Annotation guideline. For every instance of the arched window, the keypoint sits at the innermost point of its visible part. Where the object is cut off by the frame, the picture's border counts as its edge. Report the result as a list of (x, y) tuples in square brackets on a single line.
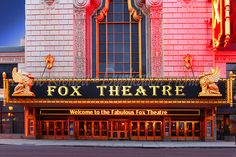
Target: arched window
[(119, 43)]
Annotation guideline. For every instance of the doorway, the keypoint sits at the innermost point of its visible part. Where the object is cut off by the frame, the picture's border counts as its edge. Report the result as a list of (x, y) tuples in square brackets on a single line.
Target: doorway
[(119, 129)]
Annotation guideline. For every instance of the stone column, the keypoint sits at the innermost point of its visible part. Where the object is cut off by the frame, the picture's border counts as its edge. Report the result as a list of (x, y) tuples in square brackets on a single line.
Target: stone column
[(79, 38), (83, 10), (155, 16)]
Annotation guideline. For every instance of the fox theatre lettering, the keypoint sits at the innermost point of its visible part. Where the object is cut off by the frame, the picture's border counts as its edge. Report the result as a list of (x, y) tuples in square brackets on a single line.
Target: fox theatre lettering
[(120, 89), (104, 91)]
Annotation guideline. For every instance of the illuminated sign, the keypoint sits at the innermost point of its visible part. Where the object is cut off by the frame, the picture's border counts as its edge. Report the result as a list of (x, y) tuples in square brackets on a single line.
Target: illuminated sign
[(221, 23), (121, 112), (119, 89)]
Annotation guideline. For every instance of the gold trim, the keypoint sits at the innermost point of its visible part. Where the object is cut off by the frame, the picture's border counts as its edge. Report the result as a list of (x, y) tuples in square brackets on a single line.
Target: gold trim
[(208, 83), (230, 89), (115, 101), (133, 12), (130, 45), (4, 76), (104, 11), (97, 49), (140, 47), (216, 42), (227, 22), (103, 102)]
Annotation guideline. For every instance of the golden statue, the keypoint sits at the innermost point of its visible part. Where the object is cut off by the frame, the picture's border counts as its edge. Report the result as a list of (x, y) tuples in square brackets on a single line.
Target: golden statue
[(208, 83), (25, 83)]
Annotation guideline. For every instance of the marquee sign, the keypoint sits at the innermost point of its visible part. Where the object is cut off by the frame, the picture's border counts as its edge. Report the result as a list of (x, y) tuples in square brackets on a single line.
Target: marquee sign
[(122, 112), (208, 89), (220, 23), (117, 89)]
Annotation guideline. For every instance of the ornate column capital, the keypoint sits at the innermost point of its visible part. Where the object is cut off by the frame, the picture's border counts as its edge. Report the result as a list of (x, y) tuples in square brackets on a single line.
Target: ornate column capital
[(80, 3), (153, 3)]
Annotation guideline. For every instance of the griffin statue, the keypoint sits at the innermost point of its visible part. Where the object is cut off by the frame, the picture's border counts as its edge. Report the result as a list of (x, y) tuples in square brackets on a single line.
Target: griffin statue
[(25, 83), (208, 83)]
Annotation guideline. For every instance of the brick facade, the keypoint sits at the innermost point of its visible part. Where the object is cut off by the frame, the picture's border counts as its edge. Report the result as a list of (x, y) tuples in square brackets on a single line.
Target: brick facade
[(186, 30), (49, 30), (176, 28)]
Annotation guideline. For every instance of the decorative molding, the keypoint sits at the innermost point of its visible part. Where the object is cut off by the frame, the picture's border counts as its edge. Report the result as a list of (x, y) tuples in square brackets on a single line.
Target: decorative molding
[(153, 3), (80, 3), (156, 40), (104, 11), (79, 43), (133, 12), (82, 40), (141, 4)]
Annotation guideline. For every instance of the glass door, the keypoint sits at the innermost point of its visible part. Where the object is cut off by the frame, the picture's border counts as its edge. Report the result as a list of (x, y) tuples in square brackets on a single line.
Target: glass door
[(58, 128), (189, 129), (119, 130), (104, 129), (197, 129), (44, 128), (81, 129), (173, 129), (66, 128), (96, 129), (181, 129), (150, 130), (88, 128), (157, 128), (142, 131), (51, 128)]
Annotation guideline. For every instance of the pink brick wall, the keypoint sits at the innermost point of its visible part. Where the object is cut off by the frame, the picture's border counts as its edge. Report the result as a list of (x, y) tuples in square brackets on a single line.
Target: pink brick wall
[(186, 30), (49, 30)]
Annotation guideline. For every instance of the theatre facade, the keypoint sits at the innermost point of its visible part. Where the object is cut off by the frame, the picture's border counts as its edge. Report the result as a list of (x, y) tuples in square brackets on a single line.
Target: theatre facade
[(123, 109), (124, 69)]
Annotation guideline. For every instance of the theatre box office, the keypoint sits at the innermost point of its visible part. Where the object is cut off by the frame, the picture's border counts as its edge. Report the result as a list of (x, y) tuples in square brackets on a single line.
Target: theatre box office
[(129, 109)]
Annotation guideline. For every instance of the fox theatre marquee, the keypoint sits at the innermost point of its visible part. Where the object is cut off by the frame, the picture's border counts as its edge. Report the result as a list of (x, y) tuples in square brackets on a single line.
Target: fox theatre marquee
[(131, 109)]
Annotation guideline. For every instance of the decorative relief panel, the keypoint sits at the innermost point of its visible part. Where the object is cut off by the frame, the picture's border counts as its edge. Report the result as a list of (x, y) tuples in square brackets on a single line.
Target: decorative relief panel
[(79, 42), (155, 15), (82, 39)]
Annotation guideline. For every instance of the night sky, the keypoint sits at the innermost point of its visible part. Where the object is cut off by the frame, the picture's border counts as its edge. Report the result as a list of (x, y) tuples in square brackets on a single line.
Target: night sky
[(12, 24)]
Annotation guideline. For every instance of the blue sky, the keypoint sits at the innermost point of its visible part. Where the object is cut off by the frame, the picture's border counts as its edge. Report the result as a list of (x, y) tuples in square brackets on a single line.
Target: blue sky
[(12, 24)]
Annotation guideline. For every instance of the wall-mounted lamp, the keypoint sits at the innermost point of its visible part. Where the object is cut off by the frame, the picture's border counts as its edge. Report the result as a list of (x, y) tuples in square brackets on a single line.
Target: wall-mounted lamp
[(10, 108), (188, 62), (49, 60)]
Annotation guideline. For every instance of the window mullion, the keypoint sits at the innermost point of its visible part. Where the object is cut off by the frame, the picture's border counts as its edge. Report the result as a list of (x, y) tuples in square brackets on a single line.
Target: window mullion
[(97, 49), (106, 48), (130, 44), (140, 47)]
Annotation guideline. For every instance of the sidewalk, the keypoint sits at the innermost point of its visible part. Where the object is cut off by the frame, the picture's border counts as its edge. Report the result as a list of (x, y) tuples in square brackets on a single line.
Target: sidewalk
[(131, 144)]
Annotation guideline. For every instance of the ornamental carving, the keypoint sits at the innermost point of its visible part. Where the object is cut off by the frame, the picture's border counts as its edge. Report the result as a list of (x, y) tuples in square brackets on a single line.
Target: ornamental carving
[(156, 38), (82, 11), (25, 83), (133, 12), (104, 11), (141, 4), (80, 3), (153, 3), (208, 83)]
